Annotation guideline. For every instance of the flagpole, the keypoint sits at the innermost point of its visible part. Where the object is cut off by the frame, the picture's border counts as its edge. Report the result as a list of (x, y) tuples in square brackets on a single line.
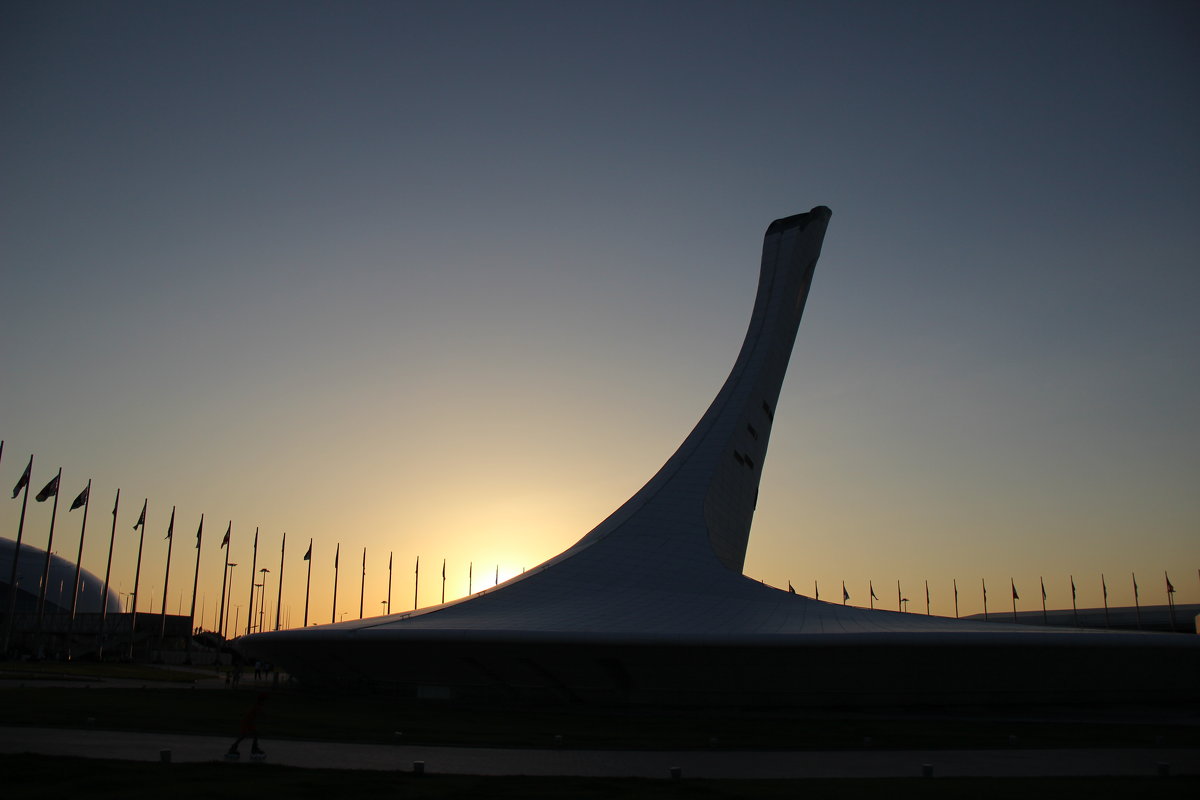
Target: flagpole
[(137, 575), (955, 597), (1170, 598), (1137, 607), (1104, 587), (389, 597), (112, 537), (871, 588), (1013, 584), (1074, 610), (87, 497), (899, 598), (416, 582), (362, 587), (279, 597), (253, 567), (41, 606), (162, 628), (470, 576), (1042, 580), (927, 597), (226, 545), (497, 583), (985, 614), (336, 557), (12, 581), (845, 594), (195, 586), (308, 581), (443, 581)]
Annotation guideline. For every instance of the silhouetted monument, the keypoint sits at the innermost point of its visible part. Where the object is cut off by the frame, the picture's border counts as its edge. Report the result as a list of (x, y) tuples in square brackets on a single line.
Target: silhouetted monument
[(651, 606)]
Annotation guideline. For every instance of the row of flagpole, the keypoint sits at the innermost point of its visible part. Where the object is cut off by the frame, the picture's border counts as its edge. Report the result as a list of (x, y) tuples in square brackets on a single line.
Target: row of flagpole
[(258, 576), (225, 627), (902, 601)]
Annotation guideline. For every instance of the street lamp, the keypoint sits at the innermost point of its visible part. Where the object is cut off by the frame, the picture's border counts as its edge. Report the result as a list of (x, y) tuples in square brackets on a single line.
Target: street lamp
[(228, 597), (262, 597), (253, 608)]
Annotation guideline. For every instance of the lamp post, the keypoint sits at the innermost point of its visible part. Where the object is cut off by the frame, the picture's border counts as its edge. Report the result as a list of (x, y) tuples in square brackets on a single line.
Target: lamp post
[(262, 597), (253, 606), (230, 565)]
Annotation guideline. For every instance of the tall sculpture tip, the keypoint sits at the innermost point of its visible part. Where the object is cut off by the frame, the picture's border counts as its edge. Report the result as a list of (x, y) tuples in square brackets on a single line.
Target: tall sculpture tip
[(821, 213)]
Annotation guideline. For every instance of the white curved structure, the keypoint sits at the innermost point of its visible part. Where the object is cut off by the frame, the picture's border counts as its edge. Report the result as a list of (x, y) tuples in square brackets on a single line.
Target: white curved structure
[(651, 605)]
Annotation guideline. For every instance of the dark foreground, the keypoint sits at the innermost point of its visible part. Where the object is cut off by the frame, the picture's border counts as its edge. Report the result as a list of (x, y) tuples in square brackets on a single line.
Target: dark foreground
[(56, 777), (60, 710)]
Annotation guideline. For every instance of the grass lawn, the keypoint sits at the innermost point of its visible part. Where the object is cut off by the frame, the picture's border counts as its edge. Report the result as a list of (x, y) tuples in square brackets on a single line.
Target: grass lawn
[(384, 719), (82, 671), (50, 777)]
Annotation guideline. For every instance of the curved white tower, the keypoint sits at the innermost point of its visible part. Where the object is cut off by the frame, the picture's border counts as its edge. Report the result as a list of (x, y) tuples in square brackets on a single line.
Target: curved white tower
[(629, 611)]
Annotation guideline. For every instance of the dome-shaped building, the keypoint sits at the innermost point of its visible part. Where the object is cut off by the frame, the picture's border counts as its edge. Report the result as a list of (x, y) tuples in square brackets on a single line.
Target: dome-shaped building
[(58, 587)]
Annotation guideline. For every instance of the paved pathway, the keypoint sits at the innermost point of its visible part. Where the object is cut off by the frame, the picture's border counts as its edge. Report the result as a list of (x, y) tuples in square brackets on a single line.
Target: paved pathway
[(651, 764)]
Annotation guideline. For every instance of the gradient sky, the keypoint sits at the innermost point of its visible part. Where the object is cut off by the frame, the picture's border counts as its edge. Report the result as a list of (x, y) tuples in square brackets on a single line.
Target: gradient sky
[(455, 279)]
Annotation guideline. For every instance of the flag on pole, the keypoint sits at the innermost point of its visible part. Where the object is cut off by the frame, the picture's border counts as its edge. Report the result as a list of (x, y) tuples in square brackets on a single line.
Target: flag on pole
[(308, 555), (24, 481), (872, 587), (1072, 588), (141, 523), (48, 491), (1043, 589), (1135, 589), (1170, 588), (1014, 590), (1103, 586), (228, 530), (81, 499), (845, 594), (171, 529), (790, 589), (199, 533), (336, 555), (443, 569)]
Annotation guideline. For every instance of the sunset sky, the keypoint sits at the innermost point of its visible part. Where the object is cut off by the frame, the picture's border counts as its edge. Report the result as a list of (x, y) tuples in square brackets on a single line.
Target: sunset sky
[(453, 280)]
